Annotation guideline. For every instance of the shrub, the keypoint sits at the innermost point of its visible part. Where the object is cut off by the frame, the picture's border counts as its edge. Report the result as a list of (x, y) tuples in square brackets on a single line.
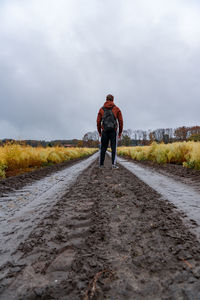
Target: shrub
[(185, 153)]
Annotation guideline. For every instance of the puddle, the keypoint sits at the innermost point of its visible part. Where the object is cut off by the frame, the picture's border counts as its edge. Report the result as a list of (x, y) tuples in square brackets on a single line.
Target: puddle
[(23, 209), (184, 197)]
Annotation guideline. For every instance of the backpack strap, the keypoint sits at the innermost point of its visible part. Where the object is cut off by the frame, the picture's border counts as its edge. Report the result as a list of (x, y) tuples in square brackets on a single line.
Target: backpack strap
[(104, 108)]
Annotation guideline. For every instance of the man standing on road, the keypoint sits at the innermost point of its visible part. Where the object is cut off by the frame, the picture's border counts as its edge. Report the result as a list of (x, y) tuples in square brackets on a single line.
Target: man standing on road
[(108, 120)]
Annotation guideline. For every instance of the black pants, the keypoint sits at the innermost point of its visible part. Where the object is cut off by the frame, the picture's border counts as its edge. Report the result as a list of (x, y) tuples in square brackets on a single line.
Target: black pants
[(105, 138)]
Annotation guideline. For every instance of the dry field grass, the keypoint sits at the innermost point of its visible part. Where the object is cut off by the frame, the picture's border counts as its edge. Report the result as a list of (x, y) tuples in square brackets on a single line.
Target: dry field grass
[(185, 153), (16, 159)]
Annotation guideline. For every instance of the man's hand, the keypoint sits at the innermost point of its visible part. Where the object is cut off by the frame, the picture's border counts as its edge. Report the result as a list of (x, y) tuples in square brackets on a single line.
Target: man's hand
[(99, 134), (119, 136)]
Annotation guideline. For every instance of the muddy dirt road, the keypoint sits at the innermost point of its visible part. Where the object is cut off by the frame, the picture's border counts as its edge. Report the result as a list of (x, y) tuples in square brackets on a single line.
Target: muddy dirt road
[(109, 236), (22, 210), (186, 197)]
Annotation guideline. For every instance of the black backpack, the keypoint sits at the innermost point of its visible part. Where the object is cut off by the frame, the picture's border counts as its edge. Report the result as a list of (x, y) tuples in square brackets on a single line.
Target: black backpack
[(109, 121)]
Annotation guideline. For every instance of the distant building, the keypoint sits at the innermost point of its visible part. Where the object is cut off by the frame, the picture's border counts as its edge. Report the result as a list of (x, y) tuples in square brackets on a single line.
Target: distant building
[(69, 145)]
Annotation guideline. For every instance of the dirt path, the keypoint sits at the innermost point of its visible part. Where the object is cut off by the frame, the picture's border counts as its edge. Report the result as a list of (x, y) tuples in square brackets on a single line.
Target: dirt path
[(184, 196), (22, 209), (110, 236), (17, 182), (178, 172)]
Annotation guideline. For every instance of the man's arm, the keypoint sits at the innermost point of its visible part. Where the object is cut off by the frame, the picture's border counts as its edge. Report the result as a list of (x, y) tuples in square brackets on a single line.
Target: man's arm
[(120, 120), (99, 118)]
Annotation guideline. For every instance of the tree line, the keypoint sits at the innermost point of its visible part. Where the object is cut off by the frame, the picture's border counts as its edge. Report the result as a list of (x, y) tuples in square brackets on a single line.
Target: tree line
[(130, 137), (43, 143)]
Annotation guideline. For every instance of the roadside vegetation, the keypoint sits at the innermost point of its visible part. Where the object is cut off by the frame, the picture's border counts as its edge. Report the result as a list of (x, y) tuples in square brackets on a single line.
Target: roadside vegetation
[(185, 153), (16, 159)]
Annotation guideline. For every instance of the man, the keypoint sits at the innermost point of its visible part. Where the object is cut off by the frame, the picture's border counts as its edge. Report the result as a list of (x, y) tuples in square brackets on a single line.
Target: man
[(108, 120)]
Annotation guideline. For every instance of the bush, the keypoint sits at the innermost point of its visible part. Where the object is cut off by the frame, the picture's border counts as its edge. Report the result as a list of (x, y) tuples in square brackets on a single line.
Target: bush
[(18, 158), (185, 153)]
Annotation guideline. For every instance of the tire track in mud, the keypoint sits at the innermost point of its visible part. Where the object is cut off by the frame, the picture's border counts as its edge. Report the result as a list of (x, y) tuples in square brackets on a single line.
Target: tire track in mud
[(182, 174), (14, 183), (184, 196), (110, 236), (47, 256), (29, 206)]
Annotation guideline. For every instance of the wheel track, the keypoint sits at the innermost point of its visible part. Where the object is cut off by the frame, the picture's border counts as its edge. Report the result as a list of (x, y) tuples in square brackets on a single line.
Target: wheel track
[(49, 251), (128, 244)]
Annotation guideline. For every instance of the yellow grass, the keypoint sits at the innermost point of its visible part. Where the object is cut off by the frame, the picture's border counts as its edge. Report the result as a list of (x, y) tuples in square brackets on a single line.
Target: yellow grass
[(16, 158), (185, 153)]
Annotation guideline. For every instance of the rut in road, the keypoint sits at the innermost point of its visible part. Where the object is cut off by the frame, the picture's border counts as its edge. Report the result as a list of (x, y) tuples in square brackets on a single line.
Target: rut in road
[(110, 236), (184, 196), (21, 210)]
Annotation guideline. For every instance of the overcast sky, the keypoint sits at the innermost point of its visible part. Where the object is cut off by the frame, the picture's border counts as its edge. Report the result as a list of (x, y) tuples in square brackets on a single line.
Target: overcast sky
[(60, 58)]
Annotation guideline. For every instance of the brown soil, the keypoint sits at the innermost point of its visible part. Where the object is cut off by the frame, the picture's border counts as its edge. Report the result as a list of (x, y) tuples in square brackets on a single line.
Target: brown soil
[(110, 237)]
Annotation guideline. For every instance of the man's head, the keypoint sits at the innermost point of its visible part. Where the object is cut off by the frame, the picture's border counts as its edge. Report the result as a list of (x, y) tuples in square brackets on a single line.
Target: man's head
[(109, 97)]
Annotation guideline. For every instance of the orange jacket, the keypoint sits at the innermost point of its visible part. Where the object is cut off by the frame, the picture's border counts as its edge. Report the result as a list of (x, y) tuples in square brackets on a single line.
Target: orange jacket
[(117, 113)]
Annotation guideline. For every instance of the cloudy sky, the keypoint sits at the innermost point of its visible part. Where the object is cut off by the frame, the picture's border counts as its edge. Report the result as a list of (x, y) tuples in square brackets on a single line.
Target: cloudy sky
[(59, 59)]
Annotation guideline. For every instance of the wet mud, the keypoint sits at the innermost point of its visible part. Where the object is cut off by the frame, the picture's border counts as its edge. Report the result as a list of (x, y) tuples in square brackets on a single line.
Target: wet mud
[(13, 183), (178, 172), (184, 196), (110, 236)]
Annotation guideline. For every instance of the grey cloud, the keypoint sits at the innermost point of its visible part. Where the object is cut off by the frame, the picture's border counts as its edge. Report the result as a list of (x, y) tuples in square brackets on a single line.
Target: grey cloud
[(56, 69)]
